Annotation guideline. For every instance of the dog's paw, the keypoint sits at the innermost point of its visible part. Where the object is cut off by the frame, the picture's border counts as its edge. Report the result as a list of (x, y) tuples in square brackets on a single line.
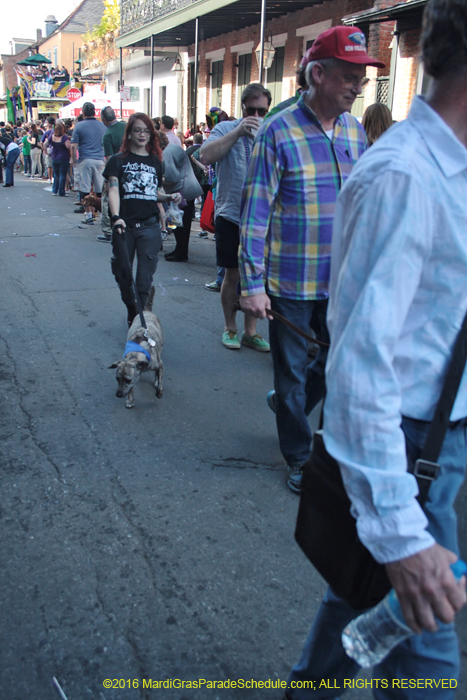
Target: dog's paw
[(158, 392), (129, 404)]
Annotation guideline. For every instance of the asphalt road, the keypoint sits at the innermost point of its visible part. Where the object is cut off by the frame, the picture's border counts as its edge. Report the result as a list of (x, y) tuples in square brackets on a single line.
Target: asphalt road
[(152, 543)]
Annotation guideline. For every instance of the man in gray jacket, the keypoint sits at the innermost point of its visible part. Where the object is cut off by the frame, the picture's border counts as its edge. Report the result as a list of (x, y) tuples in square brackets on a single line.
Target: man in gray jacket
[(179, 177)]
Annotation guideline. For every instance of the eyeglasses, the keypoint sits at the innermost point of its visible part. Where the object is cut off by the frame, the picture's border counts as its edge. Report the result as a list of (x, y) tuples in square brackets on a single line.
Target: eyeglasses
[(349, 80), (140, 131), (253, 111)]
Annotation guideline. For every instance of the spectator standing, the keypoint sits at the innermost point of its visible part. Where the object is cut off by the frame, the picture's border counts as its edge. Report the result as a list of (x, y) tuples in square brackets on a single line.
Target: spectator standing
[(47, 150), (377, 118), (300, 160), (166, 126), (59, 145), (229, 146), (34, 140), (87, 140), (10, 150), (26, 152), (111, 142), (398, 298), (179, 177)]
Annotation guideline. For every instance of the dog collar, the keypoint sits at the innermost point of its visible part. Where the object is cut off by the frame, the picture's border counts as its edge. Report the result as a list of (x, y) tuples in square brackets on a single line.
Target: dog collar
[(135, 347)]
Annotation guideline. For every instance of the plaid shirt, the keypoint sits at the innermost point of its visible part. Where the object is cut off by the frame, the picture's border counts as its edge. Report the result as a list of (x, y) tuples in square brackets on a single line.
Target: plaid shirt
[(288, 201)]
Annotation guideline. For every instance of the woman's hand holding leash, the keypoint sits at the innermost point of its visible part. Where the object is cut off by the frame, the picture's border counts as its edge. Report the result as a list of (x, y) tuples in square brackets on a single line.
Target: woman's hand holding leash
[(118, 224)]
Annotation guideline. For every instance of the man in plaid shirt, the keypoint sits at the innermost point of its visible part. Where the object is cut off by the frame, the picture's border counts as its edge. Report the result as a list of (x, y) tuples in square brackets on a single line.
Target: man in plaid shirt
[(300, 160)]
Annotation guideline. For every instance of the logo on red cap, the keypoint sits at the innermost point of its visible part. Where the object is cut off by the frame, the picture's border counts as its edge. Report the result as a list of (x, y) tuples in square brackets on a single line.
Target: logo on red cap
[(357, 38)]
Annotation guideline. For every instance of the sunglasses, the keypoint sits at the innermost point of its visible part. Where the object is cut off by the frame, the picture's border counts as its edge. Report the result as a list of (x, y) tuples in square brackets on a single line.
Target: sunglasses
[(140, 131), (253, 111)]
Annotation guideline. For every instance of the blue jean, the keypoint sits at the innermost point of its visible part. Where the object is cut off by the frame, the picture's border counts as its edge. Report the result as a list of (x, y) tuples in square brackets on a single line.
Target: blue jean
[(27, 163), (60, 168), (433, 655), (11, 158), (299, 383), (220, 275)]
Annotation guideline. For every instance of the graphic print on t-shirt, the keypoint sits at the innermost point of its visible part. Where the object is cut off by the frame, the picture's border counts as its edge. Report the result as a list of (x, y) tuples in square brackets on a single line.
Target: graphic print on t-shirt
[(139, 181)]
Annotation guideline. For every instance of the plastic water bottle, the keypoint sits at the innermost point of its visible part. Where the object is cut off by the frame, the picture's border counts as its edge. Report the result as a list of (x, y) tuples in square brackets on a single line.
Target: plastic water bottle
[(370, 637)]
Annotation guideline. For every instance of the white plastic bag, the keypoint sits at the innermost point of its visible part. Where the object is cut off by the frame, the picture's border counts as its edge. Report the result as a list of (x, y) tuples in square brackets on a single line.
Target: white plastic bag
[(174, 214)]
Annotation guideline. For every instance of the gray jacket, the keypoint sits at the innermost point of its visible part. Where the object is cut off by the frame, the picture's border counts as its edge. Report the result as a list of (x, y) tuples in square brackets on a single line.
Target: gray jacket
[(178, 173)]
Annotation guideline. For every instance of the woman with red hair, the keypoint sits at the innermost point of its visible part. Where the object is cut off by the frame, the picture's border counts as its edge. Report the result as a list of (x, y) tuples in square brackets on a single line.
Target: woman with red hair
[(135, 180)]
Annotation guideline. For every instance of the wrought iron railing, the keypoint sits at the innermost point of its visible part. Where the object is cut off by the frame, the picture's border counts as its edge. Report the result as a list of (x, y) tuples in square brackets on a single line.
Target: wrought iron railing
[(137, 13)]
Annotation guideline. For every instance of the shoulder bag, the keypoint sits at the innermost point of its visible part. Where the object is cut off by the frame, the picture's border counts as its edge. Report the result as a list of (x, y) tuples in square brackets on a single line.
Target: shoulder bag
[(326, 530)]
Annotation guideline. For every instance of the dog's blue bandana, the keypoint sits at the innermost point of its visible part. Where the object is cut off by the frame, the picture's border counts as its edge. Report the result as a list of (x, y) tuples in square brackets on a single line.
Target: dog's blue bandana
[(135, 347)]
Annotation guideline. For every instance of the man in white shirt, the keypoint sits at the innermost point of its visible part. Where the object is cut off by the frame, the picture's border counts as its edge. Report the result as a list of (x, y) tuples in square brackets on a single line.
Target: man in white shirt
[(398, 297)]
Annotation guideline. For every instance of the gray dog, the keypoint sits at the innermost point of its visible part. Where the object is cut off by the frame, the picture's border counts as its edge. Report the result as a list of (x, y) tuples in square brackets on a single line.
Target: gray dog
[(141, 354)]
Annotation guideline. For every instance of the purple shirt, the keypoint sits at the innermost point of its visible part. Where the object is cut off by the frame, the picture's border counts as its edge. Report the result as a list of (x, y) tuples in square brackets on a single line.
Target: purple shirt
[(59, 149)]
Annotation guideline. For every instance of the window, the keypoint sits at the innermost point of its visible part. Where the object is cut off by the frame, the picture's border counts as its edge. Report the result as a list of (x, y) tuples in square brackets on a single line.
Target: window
[(49, 54), (243, 78), (274, 76), (217, 71), (55, 57)]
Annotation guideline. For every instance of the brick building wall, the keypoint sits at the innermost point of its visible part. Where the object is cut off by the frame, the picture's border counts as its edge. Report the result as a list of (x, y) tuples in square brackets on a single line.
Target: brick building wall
[(380, 41), (9, 62), (332, 10), (407, 69)]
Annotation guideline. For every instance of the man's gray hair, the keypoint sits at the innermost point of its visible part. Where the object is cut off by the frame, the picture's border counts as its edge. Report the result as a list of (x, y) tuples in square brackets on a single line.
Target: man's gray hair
[(108, 114), (326, 62)]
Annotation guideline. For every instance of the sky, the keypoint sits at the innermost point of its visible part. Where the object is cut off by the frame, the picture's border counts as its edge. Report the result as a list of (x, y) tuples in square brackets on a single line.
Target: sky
[(23, 24)]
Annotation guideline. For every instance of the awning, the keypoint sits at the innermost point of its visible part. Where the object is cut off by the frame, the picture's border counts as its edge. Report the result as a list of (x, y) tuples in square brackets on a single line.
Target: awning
[(100, 100), (413, 9), (177, 27), (34, 60)]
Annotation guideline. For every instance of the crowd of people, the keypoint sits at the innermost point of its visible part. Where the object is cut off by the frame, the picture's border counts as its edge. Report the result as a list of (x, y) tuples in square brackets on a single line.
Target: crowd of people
[(43, 72), (354, 230)]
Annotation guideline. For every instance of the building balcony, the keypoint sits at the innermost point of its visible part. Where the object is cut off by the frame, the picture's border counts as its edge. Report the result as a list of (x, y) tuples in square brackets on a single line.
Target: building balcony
[(138, 13)]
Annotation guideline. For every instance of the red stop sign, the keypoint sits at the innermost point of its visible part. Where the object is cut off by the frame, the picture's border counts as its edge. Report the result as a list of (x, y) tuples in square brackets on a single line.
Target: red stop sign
[(73, 94)]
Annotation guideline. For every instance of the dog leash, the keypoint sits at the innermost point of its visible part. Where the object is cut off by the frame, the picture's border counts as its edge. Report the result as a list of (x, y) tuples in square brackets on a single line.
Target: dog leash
[(119, 232), (292, 326)]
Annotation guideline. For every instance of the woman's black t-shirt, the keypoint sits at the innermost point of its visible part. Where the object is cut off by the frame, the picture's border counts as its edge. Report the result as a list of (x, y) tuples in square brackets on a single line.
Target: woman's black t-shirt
[(139, 178)]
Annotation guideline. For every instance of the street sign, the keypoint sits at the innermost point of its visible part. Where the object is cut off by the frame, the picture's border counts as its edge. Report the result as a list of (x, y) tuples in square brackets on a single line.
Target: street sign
[(125, 93), (73, 94), (134, 94)]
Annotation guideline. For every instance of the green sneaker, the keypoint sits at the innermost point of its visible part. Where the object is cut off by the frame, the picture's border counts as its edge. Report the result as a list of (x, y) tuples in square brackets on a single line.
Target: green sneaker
[(255, 342), (230, 340)]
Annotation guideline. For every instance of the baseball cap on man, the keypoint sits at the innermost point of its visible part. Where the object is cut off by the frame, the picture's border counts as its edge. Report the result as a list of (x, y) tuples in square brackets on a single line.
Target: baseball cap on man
[(88, 109), (345, 43)]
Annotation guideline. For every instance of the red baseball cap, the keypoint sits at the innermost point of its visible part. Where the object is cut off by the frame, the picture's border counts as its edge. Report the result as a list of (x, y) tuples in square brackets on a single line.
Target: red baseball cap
[(345, 43)]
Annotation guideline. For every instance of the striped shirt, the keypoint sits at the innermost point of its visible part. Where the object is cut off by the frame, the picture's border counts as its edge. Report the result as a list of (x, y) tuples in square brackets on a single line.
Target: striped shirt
[(288, 202)]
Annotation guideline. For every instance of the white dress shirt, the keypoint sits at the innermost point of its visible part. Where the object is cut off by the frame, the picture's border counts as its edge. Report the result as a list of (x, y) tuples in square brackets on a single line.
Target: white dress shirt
[(398, 297)]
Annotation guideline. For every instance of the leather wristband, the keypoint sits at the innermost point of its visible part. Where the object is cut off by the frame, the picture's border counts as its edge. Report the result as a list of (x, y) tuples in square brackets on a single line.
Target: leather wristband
[(114, 218)]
